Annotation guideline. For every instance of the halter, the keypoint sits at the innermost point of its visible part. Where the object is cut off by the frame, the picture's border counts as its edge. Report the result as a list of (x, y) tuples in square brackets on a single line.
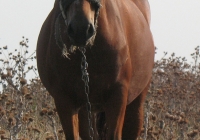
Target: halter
[(63, 12), (58, 37)]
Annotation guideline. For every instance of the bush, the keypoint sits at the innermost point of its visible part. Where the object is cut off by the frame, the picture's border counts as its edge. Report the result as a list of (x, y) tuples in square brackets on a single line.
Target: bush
[(172, 109), (27, 110)]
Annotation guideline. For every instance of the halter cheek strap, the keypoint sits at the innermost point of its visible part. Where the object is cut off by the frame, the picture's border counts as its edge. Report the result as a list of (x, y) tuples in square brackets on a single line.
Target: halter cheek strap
[(63, 12)]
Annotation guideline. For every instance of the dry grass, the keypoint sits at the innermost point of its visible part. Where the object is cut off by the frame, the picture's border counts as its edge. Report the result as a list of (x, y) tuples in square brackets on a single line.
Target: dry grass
[(27, 111), (172, 105)]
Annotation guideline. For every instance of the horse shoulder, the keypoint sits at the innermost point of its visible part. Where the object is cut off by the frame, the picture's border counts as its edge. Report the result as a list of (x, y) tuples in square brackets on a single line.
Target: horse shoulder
[(43, 48), (141, 48)]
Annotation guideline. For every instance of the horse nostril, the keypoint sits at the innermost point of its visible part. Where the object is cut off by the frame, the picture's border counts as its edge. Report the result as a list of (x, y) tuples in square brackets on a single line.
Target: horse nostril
[(70, 31), (90, 31), (80, 33)]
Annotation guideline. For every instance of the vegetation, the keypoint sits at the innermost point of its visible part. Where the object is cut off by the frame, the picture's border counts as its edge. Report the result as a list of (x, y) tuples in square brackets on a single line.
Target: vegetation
[(27, 111), (172, 111)]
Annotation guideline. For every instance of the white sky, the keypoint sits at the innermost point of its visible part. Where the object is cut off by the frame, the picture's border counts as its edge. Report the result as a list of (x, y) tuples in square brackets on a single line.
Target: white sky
[(175, 24)]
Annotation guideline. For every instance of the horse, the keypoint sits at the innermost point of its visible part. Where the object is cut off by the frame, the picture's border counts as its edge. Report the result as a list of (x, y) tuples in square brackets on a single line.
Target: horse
[(97, 56)]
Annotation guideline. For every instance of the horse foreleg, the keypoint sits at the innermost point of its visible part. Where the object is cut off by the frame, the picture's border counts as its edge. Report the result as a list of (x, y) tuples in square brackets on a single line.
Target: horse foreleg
[(68, 117), (134, 117), (115, 111), (84, 125)]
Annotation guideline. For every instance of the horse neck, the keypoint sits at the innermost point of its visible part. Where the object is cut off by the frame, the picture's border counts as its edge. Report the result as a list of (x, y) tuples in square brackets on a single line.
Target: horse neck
[(108, 9), (143, 6)]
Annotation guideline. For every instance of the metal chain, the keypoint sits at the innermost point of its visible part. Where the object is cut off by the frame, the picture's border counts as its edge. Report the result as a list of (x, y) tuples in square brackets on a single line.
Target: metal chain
[(85, 78)]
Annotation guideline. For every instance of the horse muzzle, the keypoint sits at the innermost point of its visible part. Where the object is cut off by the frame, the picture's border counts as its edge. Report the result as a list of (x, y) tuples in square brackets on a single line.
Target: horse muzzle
[(80, 34)]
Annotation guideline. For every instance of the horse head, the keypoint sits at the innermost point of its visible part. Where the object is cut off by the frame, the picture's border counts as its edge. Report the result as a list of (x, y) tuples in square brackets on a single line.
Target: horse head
[(81, 20)]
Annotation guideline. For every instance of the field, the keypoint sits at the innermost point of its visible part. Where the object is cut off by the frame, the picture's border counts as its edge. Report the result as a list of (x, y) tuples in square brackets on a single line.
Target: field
[(27, 111)]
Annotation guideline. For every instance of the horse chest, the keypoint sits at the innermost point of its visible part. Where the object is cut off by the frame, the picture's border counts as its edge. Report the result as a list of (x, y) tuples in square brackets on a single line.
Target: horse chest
[(102, 68)]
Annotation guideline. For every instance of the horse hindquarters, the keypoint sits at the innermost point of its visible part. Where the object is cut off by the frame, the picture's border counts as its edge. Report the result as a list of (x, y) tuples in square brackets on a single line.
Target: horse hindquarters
[(134, 117)]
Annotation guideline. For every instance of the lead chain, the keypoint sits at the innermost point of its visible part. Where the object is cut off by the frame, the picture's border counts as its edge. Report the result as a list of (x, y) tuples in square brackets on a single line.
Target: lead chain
[(85, 78)]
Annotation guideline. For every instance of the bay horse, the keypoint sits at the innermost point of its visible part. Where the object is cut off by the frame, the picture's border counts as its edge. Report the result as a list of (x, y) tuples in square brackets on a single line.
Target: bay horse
[(115, 37)]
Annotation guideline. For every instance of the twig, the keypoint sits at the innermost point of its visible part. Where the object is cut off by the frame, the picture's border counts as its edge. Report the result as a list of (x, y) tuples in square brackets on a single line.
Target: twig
[(54, 126), (146, 122)]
